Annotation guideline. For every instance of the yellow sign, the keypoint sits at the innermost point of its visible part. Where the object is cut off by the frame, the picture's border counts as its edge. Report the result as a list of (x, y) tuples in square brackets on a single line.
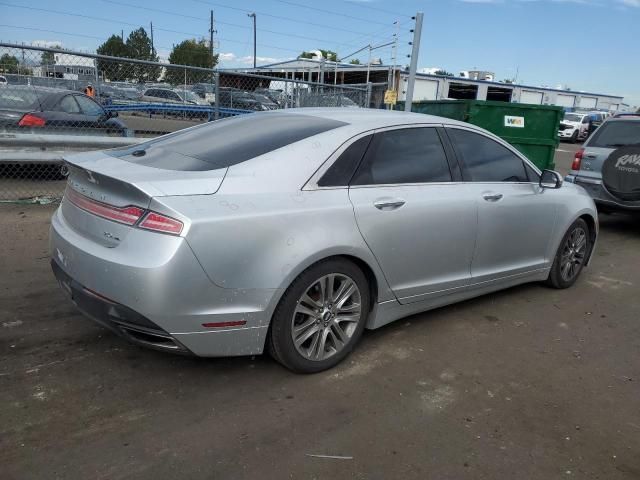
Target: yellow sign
[(390, 97)]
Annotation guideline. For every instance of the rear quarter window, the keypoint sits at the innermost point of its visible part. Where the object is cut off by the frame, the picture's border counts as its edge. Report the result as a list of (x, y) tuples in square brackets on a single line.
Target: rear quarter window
[(226, 142), (614, 134)]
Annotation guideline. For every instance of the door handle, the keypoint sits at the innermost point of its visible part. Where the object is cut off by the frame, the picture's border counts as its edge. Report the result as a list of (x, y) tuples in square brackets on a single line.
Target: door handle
[(388, 204), (492, 197)]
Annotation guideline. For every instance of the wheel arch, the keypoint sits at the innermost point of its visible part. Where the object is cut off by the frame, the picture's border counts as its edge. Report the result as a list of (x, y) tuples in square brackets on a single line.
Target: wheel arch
[(592, 223)]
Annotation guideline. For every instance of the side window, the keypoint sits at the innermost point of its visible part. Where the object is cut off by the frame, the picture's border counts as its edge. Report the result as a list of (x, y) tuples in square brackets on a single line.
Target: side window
[(485, 160), (174, 96), (532, 174), (410, 155), (339, 174), (69, 105), (89, 107), (585, 120)]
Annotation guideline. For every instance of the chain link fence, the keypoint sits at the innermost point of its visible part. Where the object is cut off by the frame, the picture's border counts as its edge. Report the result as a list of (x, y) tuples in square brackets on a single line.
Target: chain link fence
[(62, 96)]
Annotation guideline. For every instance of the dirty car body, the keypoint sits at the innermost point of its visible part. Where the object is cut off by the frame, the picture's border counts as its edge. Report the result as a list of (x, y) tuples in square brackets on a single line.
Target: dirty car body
[(189, 242)]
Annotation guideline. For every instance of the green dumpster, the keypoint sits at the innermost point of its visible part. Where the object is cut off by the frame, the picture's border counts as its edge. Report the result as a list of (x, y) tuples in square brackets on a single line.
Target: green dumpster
[(532, 129)]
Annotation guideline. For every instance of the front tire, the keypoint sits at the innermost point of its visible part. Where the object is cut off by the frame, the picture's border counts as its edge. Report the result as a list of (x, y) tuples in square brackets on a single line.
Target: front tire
[(320, 317), (571, 256)]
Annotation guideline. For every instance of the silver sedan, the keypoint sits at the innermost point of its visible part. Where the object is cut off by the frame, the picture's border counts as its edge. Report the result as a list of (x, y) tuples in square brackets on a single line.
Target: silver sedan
[(295, 230)]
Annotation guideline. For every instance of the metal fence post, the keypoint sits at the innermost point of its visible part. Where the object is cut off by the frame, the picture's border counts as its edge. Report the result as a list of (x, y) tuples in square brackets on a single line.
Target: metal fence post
[(216, 108), (368, 97)]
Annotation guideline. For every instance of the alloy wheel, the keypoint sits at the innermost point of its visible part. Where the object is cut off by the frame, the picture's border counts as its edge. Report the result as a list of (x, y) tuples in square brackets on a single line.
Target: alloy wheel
[(326, 316), (573, 254)]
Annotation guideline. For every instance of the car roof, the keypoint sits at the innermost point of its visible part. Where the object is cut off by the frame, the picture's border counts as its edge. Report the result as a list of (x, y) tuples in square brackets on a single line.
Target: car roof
[(371, 118)]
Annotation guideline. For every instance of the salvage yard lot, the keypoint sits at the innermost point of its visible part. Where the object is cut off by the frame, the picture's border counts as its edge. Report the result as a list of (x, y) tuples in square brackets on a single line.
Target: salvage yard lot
[(528, 383)]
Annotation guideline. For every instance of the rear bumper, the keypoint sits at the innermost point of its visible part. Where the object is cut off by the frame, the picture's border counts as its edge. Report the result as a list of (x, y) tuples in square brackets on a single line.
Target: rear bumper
[(119, 319), (151, 289), (600, 195)]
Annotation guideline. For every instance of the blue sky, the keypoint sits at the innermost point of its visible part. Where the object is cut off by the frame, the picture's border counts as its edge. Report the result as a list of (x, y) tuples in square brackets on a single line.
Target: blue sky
[(589, 45)]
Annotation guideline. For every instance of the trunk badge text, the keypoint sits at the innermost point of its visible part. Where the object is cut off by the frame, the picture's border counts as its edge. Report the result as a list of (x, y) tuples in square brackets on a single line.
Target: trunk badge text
[(111, 236)]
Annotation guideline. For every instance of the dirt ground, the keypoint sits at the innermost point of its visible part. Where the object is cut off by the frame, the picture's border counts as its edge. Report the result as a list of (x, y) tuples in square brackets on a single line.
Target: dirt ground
[(529, 383)]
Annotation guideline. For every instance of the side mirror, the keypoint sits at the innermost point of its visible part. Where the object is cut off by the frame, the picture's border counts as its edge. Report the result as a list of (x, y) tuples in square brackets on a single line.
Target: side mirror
[(550, 179)]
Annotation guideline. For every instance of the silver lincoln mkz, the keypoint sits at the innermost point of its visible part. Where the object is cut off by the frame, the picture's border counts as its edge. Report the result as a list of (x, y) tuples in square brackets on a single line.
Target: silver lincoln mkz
[(295, 230)]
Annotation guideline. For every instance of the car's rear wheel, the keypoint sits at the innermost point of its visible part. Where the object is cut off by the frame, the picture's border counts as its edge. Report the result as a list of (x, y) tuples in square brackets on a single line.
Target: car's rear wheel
[(571, 256), (320, 317)]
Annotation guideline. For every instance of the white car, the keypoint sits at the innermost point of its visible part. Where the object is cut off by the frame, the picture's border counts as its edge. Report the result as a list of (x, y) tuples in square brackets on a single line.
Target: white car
[(574, 126)]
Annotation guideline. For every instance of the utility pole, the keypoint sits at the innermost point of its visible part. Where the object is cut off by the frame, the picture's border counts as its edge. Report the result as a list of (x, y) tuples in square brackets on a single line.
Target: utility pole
[(153, 49), (122, 35), (253, 15), (417, 33), (211, 30)]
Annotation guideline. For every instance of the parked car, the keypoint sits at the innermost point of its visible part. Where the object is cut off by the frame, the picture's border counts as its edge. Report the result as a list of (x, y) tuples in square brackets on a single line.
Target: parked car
[(574, 127), (3, 80), (265, 101), (276, 96), (238, 99), (608, 165), (327, 100), (23, 107), (166, 95), (578, 126), (295, 230), (206, 91)]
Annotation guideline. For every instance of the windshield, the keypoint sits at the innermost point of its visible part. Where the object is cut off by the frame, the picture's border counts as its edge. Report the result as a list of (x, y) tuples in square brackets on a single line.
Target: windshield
[(189, 96), (573, 117), (616, 134)]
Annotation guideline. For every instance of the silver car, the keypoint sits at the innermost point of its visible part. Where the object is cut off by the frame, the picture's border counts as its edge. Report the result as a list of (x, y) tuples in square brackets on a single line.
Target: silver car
[(616, 187), (295, 230)]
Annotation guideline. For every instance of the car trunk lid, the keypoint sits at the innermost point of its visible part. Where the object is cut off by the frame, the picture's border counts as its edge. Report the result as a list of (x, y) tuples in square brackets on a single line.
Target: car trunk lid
[(592, 160), (100, 182)]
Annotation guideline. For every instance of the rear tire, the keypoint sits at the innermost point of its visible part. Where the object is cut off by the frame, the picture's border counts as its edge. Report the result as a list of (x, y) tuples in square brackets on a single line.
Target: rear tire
[(320, 317), (571, 256)]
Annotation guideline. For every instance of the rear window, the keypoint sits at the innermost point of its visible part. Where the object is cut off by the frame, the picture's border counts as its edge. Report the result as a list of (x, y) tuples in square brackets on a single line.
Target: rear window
[(19, 98), (616, 134), (226, 142)]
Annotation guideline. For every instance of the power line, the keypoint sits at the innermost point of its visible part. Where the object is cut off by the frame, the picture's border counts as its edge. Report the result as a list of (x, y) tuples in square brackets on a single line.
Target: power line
[(279, 17), (235, 25), (287, 2), (378, 9), (89, 17)]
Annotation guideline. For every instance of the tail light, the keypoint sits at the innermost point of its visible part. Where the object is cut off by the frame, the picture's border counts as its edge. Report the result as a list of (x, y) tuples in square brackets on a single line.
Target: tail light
[(31, 120), (126, 215), (129, 215), (577, 160), (161, 223)]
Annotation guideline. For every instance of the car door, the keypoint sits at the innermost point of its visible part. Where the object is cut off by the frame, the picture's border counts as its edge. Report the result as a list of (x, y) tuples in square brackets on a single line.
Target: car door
[(66, 114), (417, 221), (516, 218)]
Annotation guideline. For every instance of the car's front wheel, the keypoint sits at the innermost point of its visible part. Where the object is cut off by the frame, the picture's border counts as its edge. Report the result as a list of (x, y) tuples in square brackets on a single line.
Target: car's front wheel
[(571, 256), (320, 317)]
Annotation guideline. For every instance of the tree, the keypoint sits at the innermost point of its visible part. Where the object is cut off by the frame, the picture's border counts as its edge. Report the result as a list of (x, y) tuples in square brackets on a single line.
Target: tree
[(195, 53), (47, 58), (139, 47), (443, 73), (8, 64), (355, 61), (328, 54), (114, 47)]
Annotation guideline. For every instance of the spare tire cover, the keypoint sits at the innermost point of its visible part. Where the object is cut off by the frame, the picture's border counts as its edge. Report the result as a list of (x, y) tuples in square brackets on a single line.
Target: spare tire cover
[(621, 173)]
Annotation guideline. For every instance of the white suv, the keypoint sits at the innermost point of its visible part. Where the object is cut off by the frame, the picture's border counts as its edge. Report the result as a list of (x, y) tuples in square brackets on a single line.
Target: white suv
[(574, 126)]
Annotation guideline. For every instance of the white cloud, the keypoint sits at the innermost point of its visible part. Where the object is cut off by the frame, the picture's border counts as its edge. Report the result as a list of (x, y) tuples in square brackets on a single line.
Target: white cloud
[(232, 58), (46, 43), (630, 3)]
